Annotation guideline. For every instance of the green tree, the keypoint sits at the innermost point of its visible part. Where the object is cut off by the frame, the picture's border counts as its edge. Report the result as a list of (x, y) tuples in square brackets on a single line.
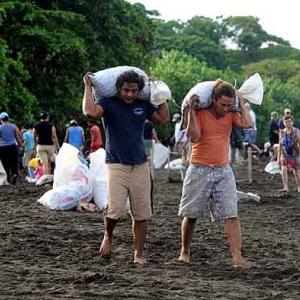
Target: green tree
[(281, 69), (248, 35), (15, 97), (58, 41), (53, 56)]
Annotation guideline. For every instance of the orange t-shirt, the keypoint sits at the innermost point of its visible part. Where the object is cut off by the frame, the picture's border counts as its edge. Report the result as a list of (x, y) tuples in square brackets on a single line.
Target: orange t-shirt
[(213, 147)]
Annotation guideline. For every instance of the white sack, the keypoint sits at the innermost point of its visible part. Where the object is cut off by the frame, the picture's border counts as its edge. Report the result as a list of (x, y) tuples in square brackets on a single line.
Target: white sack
[(66, 197), (3, 177), (253, 89), (160, 155), (247, 196), (100, 193), (98, 175), (203, 90), (97, 165), (175, 164), (72, 184), (104, 82), (44, 179), (67, 160), (272, 167), (160, 92)]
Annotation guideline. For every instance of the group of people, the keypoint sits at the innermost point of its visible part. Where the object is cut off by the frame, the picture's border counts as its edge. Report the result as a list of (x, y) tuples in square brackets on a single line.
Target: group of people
[(209, 176), (40, 139), (39, 144), (283, 145), (75, 136)]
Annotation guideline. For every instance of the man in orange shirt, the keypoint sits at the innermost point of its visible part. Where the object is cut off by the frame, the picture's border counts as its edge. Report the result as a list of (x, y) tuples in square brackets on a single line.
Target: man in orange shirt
[(209, 175)]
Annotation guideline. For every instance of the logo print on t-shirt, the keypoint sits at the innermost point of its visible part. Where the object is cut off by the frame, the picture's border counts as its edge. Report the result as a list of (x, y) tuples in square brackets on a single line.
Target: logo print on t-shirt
[(138, 111)]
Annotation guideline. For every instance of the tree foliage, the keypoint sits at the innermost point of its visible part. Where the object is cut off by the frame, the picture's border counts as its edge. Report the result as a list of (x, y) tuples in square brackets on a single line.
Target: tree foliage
[(248, 35), (53, 43)]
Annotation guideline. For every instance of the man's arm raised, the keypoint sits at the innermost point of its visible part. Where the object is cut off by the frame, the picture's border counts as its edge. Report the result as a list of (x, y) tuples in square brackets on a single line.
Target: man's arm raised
[(245, 121), (162, 115), (192, 130), (89, 108)]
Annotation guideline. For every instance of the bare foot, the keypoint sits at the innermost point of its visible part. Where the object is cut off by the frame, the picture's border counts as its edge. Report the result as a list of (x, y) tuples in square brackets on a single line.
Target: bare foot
[(184, 258), (242, 264), (105, 248), (139, 260)]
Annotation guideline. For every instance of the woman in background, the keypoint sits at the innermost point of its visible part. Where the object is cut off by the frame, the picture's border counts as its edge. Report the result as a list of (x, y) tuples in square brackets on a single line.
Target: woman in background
[(289, 139)]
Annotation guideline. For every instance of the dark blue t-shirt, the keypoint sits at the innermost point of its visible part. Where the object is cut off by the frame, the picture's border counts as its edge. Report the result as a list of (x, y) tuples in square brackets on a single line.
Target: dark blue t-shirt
[(124, 126)]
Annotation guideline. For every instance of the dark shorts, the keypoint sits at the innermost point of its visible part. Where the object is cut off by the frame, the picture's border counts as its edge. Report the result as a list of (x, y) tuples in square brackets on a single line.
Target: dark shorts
[(250, 136)]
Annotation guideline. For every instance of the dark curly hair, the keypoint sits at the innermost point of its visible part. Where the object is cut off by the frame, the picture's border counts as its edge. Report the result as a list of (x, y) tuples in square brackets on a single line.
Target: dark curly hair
[(130, 77)]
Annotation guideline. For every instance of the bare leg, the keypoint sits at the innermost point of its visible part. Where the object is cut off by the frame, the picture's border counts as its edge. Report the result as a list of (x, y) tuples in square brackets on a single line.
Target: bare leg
[(233, 231), (187, 231), (297, 179), (139, 229), (284, 176), (256, 148), (106, 245), (46, 168), (275, 156)]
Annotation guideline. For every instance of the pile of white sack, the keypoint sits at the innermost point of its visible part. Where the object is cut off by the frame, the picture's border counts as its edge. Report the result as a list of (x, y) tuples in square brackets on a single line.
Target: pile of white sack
[(76, 183), (252, 90), (72, 184), (104, 85)]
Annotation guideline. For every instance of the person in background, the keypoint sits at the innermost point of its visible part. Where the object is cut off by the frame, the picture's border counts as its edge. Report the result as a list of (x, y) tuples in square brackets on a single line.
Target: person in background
[(287, 112), (128, 172), (288, 158), (35, 169), (149, 136), (251, 133), (274, 136), (19, 149), (75, 135), (209, 175), (179, 136), (9, 136), (28, 144), (44, 134), (237, 143), (96, 136)]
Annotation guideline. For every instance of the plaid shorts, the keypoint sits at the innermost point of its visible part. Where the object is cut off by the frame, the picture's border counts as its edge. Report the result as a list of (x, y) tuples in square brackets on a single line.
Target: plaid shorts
[(204, 183)]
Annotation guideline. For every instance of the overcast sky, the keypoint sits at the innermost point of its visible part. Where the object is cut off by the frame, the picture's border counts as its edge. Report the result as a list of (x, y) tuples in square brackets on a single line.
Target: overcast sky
[(280, 17)]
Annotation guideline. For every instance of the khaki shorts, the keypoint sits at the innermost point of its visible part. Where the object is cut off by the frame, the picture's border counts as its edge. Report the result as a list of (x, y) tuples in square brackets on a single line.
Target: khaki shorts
[(28, 155), (45, 153), (128, 181)]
